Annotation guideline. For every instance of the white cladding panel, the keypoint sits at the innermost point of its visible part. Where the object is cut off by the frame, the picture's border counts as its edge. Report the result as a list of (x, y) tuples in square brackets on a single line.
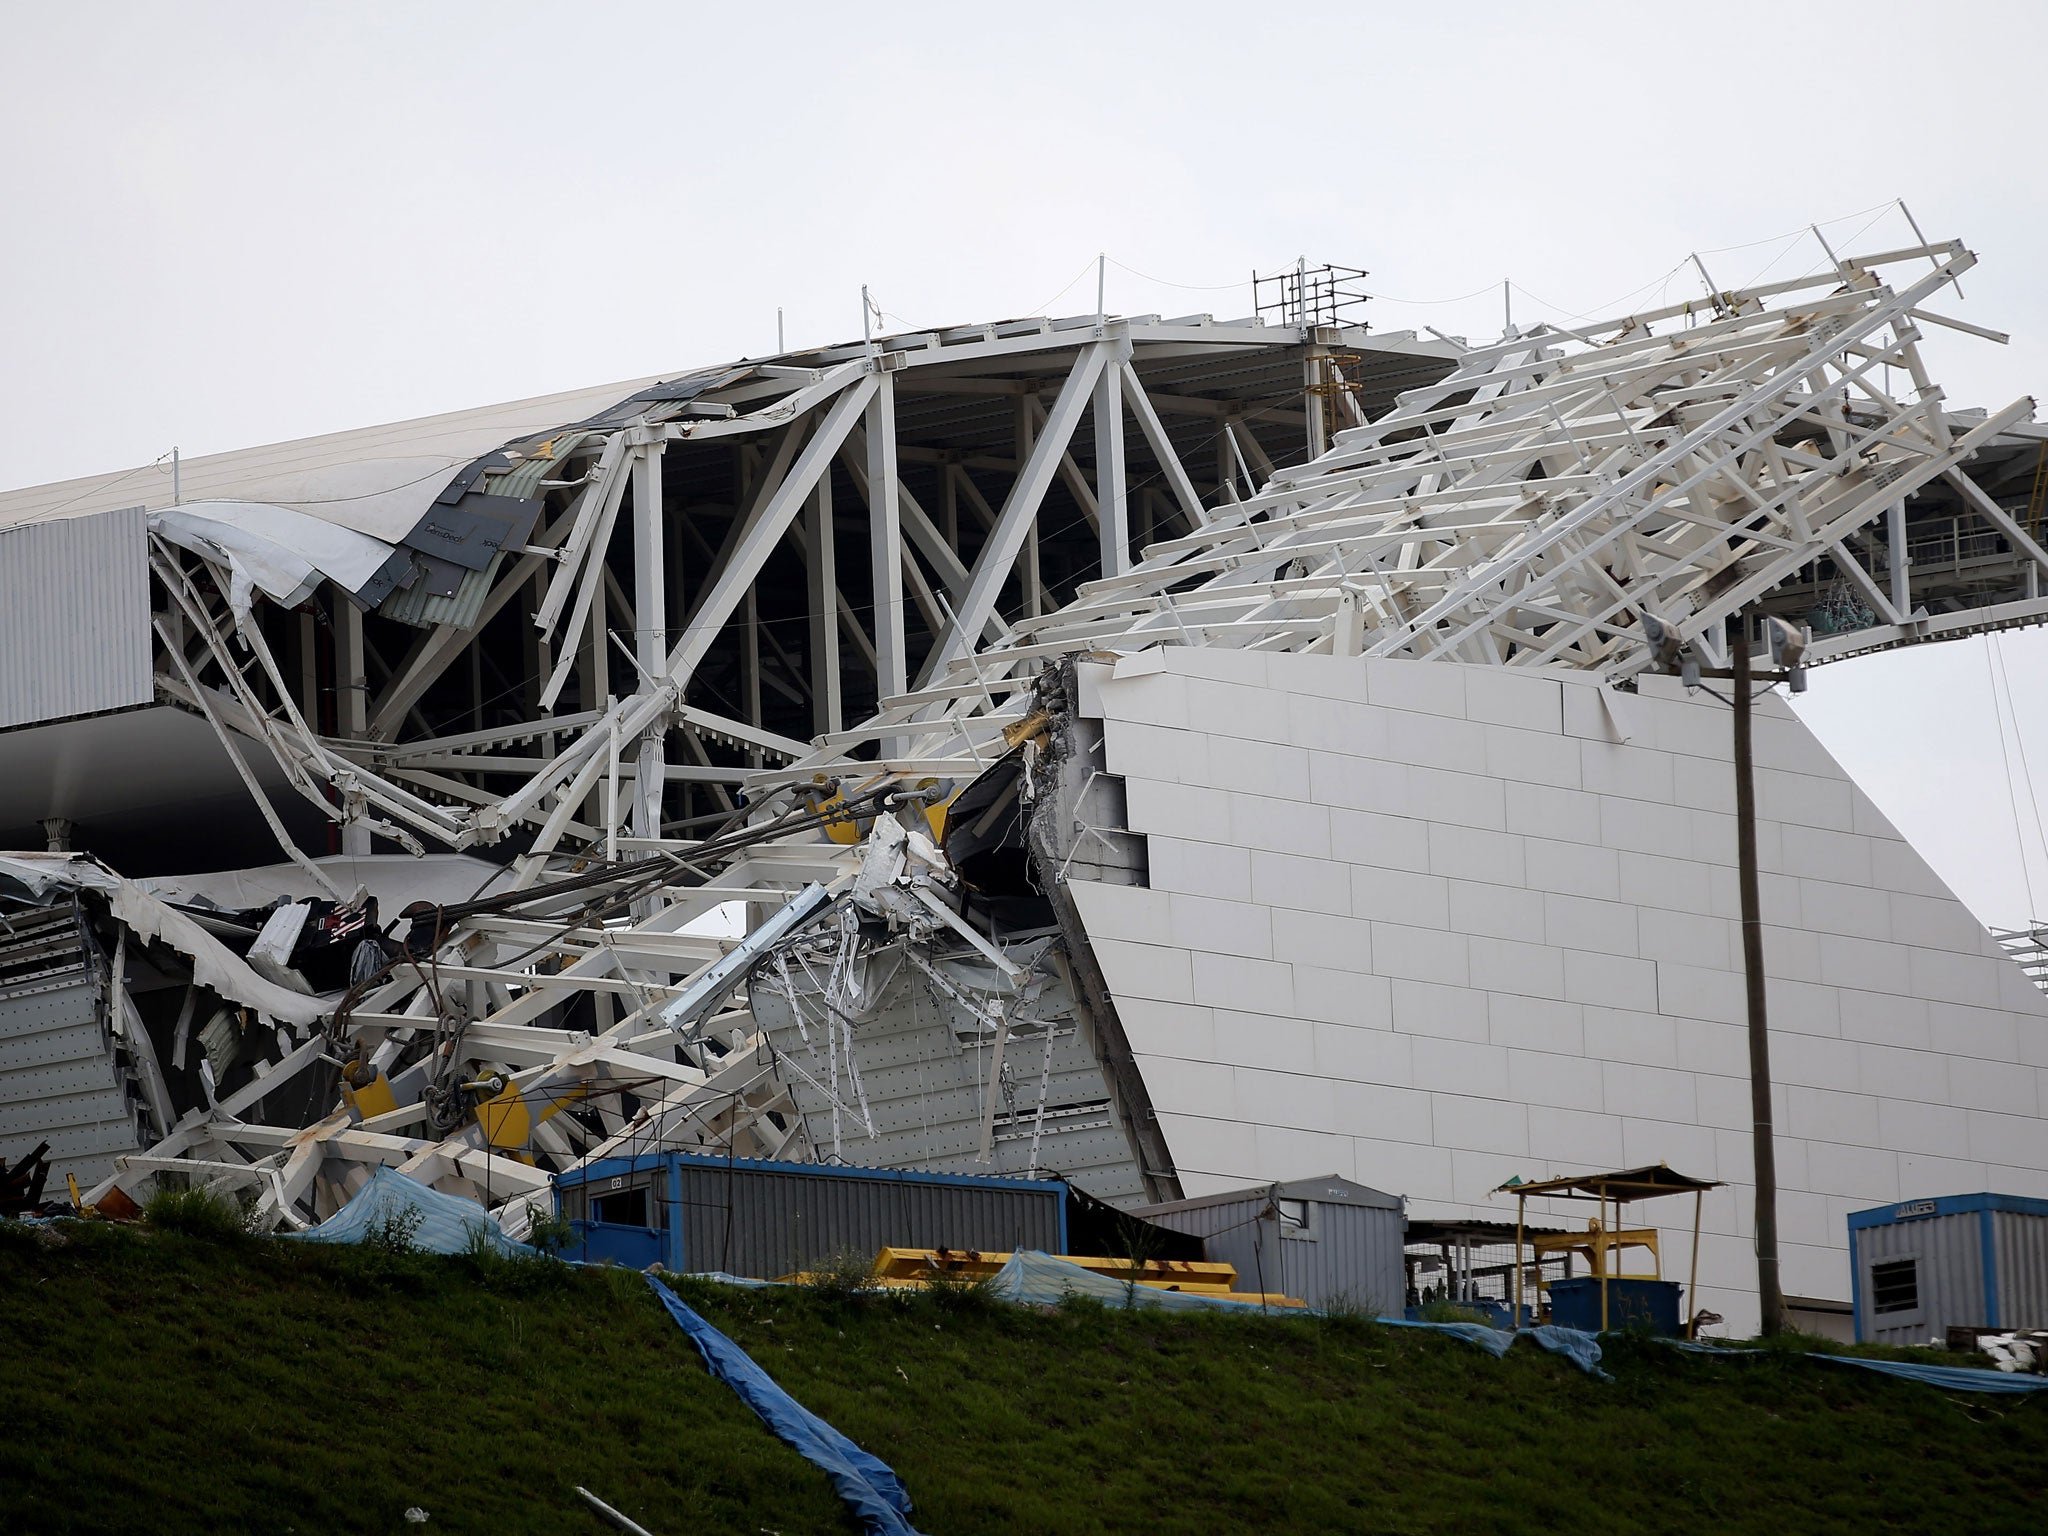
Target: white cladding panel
[(1497, 934), (74, 629)]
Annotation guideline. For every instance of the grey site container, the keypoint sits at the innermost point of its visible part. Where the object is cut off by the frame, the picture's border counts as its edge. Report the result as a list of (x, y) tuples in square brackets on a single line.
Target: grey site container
[(1922, 1267), (1329, 1241), (74, 631), (765, 1219)]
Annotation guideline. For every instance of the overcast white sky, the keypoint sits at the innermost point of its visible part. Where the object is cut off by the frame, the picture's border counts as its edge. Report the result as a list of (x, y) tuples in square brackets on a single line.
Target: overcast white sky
[(232, 224)]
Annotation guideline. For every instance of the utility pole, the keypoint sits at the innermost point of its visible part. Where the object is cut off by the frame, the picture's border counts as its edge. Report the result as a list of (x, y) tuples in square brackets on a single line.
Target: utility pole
[(1669, 652), (1763, 1132)]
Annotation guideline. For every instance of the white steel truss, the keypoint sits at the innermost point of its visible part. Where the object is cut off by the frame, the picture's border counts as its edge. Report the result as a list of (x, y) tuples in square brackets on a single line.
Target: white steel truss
[(1530, 505), (1530, 508)]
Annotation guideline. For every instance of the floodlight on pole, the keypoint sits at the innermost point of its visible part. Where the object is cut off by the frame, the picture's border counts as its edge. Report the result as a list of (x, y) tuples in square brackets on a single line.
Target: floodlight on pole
[(1788, 644), (1664, 641)]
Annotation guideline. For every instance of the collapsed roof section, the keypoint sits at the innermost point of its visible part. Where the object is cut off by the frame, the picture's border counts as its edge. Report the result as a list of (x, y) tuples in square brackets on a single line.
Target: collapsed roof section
[(432, 634), (1536, 504), (617, 650)]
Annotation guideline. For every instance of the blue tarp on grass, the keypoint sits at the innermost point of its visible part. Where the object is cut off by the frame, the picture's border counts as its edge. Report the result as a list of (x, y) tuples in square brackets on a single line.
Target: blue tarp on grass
[(1953, 1378), (447, 1223), (868, 1484), (1581, 1348), (1042, 1279)]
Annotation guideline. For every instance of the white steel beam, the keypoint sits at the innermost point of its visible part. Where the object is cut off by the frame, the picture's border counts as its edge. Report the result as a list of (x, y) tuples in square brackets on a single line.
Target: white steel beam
[(821, 573), (751, 551), (1161, 445), (1111, 493), (650, 632), (885, 540), (1020, 507)]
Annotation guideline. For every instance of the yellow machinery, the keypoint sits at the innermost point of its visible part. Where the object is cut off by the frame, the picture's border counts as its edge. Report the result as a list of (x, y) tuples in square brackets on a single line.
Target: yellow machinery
[(1605, 1239), (904, 1267), (1597, 1246), (847, 826)]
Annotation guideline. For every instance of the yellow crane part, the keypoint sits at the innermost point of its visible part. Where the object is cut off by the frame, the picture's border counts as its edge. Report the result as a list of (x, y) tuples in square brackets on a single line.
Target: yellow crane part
[(912, 1262), (897, 1268), (372, 1098)]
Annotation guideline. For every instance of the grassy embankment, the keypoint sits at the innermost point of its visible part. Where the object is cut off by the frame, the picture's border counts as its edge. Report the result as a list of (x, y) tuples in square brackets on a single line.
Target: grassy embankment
[(166, 1383)]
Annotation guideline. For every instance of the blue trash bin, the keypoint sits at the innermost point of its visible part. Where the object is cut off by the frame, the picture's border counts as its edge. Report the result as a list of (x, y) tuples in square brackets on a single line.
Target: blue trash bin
[(1651, 1304)]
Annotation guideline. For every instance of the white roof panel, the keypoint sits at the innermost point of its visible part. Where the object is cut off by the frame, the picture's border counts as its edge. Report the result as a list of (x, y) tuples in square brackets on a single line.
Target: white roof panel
[(376, 465)]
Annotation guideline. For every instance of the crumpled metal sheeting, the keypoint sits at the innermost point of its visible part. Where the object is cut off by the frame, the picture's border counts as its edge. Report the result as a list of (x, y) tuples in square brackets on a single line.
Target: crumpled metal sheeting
[(280, 552), (421, 606), (469, 1056), (659, 402), (214, 965), (523, 478)]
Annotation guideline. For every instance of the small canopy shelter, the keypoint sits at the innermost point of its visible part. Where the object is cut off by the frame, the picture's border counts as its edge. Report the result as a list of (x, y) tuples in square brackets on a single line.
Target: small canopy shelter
[(1604, 1240)]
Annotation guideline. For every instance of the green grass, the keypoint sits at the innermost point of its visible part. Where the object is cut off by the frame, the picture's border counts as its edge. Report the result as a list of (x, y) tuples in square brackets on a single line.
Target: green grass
[(162, 1382)]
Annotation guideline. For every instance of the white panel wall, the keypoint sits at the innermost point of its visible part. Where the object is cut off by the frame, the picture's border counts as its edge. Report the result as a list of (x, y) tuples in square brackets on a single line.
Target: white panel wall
[(1429, 926)]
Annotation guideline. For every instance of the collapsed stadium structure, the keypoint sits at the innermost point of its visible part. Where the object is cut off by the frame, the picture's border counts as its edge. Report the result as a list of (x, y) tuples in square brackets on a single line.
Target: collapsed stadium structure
[(1169, 753)]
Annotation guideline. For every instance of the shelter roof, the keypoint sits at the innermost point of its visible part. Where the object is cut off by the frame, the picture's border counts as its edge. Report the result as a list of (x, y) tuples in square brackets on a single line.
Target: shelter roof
[(1627, 1184), (1332, 1189)]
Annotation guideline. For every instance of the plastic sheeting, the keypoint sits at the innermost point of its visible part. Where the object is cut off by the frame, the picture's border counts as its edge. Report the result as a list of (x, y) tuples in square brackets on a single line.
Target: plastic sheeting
[(870, 1487), (1042, 1280), (1952, 1378), (1581, 1348), (447, 1223)]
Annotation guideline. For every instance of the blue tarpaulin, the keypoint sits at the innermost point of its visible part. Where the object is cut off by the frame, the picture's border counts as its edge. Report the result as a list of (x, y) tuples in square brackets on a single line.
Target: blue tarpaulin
[(867, 1484), (447, 1223), (1045, 1280), (1954, 1378), (1577, 1346)]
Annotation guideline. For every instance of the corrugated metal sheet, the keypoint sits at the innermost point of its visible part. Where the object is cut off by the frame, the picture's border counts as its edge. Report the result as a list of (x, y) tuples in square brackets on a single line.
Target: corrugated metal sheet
[(523, 479), (74, 631), (925, 1069), (769, 1219), (59, 1079), (2020, 1243), (1949, 1254), (419, 605), (1349, 1254)]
